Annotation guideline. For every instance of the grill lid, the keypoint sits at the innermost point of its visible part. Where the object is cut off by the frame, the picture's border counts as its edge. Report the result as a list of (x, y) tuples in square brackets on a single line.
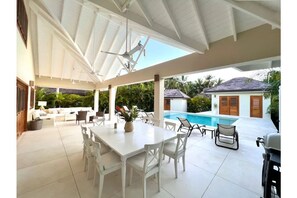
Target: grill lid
[(272, 140)]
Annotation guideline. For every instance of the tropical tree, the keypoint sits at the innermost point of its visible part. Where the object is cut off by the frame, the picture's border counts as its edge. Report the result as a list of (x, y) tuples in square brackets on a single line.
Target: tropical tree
[(274, 79)]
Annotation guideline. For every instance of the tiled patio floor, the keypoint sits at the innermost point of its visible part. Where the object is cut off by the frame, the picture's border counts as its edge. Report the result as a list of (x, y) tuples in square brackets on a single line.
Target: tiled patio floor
[(50, 164)]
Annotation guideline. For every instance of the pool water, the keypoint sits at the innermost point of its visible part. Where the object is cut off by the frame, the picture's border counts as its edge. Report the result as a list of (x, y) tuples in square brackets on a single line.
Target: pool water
[(198, 119)]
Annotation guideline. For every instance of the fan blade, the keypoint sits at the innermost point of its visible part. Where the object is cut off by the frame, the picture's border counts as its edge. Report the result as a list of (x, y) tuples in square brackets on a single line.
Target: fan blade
[(111, 53)]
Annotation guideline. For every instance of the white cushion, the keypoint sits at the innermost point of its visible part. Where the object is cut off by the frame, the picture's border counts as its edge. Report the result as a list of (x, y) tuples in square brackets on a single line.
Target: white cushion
[(36, 114)]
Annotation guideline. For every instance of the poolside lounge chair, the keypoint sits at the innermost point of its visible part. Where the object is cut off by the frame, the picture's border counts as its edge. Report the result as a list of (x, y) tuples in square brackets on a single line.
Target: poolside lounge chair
[(227, 136), (185, 124)]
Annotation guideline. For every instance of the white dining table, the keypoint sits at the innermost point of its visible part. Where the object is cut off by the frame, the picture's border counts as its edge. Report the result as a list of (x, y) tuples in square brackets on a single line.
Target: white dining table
[(132, 143)]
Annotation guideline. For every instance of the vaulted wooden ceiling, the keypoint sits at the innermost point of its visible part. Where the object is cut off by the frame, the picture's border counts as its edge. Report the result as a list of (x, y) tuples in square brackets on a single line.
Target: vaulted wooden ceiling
[(69, 35)]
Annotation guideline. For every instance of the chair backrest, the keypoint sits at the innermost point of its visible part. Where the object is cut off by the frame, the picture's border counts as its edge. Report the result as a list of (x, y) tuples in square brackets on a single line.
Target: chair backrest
[(83, 129), (88, 142), (181, 143), (97, 151), (153, 156), (227, 130), (82, 114), (101, 113), (170, 125), (184, 122)]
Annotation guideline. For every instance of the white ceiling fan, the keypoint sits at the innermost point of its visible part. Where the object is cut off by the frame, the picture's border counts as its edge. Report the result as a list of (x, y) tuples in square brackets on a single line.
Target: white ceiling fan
[(128, 54)]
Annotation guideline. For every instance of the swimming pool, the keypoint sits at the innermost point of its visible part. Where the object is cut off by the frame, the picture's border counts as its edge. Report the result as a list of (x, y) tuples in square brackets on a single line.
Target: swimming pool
[(199, 119)]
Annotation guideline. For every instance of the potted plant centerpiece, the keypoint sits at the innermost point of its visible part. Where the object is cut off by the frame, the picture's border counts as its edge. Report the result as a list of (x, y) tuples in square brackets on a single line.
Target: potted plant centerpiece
[(128, 116)]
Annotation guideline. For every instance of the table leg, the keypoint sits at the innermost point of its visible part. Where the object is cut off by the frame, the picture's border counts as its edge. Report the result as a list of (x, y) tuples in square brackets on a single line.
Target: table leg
[(124, 176)]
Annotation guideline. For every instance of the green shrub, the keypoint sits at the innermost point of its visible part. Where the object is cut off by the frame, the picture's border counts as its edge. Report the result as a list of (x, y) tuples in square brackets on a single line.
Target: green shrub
[(199, 104)]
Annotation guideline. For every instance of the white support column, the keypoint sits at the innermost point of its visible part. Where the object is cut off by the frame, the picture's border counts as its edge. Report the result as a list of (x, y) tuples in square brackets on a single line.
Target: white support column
[(159, 99), (57, 90), (96, 101), (112, 96)]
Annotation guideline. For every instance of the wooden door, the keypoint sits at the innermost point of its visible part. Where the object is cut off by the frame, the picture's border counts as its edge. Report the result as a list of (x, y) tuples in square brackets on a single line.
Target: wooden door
[(166, 104), (21, 107), (256, 106), (229, 105), (224, 105), (234, 105)]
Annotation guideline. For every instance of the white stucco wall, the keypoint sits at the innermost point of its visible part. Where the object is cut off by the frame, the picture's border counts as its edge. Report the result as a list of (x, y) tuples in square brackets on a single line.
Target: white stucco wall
[(244, 103), (178, 105), (25, 66)]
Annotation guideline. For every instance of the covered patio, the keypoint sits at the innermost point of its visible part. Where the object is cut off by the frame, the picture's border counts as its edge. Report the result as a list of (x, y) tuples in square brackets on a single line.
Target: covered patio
[(50, 164), (63, 48)]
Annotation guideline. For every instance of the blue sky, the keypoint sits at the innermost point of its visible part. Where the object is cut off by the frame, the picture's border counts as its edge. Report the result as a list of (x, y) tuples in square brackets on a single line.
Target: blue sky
[(157, 52)]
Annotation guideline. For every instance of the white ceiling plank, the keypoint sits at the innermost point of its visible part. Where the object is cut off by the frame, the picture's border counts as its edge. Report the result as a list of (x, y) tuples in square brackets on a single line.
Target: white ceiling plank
[(90, 36), (115, 58), (68, 42), (232, 21), (155, 30), (63, 10), (101, 41), (171, 17), (34, 33), (144, 12), (52, 55), (78, 24), (115, 37), (256, 10), (53, 20), (64, 65), (200, 23)]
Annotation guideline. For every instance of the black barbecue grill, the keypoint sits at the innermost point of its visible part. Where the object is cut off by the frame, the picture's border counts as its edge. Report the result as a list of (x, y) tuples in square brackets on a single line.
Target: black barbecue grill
[(271, 173)]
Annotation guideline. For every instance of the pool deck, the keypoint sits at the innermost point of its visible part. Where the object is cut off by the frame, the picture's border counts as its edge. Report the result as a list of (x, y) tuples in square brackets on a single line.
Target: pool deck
[(50, 164)]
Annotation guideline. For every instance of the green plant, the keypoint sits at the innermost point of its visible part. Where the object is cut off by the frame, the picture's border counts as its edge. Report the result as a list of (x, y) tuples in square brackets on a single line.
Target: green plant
[(128, 116)]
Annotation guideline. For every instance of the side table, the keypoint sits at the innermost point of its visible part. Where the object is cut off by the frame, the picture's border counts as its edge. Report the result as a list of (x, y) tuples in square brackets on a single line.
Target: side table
[(212, 130)]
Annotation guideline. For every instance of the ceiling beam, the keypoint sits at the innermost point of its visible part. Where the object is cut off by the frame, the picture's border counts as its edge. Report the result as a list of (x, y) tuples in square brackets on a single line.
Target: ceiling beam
[(172, 19), (232, 22), (256, 10), (144, 12), (200, 23), (127, 4), (34, 34), (155, 30)]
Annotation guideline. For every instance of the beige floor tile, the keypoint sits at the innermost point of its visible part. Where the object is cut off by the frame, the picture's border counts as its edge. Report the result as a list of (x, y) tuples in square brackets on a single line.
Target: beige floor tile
[(209, 160), (61, 188), (40, 156), (243, 173), (191, 183), (76, 162), (34, 177), (220, 187)]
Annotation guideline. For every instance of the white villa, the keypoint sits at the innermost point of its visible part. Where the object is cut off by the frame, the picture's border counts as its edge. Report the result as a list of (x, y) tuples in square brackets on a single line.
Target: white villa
[(242, 97)]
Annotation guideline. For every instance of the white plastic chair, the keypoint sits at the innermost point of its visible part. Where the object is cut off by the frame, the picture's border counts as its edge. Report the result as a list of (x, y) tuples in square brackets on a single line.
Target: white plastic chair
[(176, 149), (105, 164), (89, 154), (147, 164)]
